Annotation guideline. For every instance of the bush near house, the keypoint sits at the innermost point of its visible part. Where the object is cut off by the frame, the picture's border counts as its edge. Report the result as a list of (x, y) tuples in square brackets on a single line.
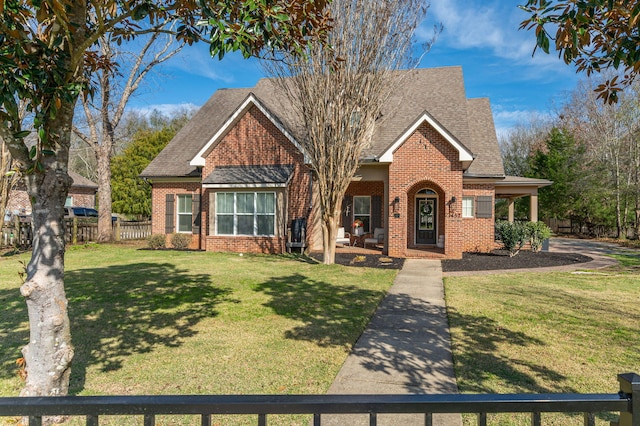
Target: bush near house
[(538, 232), (180, 241), (513, 235), (157, 241)]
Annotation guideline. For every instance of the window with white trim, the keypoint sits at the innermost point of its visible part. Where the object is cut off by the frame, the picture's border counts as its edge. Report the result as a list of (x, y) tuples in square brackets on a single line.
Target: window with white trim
[(467, 206), (69, 201), (245, 213), (362, 212), (185, 213)]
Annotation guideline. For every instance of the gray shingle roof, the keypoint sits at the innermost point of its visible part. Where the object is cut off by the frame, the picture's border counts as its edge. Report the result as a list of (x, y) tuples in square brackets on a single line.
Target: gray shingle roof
[(240, 175), (81, 181), (439, 91)]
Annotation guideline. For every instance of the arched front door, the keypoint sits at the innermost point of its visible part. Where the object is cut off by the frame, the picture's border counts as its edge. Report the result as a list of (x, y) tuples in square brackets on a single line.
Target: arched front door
[(426, 217)]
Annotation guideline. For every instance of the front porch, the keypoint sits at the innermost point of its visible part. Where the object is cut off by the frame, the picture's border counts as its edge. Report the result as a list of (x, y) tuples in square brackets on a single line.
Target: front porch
[(422, 253)]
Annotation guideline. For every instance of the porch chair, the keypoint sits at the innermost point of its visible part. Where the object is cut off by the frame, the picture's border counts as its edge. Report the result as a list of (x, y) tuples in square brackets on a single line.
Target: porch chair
[(343, 237), (378, 237)]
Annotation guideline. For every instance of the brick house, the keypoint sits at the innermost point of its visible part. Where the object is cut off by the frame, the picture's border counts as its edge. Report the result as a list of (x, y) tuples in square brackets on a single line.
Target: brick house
[(82, 193), (235, 177)]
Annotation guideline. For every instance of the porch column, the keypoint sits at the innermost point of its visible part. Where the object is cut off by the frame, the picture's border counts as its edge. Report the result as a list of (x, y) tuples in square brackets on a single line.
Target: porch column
[(534, 207), (385, 217), (512, 209)]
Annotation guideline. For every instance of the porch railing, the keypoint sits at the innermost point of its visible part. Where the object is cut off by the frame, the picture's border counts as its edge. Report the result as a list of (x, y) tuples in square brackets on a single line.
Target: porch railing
[(626, 402)]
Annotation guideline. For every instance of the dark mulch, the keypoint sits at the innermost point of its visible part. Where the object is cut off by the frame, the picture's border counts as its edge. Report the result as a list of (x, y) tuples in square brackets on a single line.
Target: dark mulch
[(499, 259), (496, 260), (364, 260)]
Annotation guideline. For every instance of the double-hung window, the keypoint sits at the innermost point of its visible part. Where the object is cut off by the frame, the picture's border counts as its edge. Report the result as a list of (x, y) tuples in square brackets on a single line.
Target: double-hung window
[(245, 213), (362, 212), (467, 206), (185, 213)]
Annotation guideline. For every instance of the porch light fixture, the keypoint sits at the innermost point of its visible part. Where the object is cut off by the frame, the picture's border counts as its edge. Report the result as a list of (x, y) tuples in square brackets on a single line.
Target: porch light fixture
[(453, 200), (396, 204)]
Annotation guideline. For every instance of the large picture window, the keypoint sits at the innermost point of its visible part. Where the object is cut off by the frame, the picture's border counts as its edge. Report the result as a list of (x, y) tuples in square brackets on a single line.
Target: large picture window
[(362, 212), (245, 213), (185, 213)]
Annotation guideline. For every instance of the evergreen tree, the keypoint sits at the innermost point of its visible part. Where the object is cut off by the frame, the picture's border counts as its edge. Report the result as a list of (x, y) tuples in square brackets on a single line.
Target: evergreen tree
[(561, 160), (131, 194)]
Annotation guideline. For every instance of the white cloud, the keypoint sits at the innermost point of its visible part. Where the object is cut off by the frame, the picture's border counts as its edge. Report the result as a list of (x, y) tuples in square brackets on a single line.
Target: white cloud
[(490, 25), (506, 119), (165, 109)]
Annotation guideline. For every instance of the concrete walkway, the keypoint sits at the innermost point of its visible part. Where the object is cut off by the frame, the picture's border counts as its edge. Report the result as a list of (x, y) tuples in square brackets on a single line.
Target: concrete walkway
[(406, 348)]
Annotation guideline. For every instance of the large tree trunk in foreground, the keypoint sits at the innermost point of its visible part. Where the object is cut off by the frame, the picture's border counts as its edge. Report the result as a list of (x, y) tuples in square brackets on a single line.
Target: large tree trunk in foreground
[(48, 354)]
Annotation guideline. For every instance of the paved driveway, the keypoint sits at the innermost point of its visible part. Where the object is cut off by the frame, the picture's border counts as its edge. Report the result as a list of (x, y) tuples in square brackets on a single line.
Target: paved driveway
[(596, 249)]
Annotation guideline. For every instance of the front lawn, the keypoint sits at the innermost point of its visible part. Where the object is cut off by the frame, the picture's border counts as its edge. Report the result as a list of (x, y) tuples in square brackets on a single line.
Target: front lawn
[(171, 322), (544, 332)]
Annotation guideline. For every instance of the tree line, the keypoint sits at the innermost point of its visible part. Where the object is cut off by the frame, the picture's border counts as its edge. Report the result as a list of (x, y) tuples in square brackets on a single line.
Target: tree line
[(591, 151)]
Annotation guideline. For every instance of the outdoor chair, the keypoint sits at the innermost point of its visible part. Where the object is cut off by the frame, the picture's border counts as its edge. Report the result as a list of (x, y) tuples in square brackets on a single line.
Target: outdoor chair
[(343, 237), (378, 237)]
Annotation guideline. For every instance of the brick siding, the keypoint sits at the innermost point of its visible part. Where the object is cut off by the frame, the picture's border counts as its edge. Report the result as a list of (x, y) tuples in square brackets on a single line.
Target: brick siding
[(19, 202), (478, 232), (425, 161), (254, 140)]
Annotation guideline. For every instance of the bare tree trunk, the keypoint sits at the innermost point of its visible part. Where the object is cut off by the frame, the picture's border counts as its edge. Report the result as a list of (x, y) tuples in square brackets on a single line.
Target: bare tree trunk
[(329, 233), (105, 227), (618, 190)]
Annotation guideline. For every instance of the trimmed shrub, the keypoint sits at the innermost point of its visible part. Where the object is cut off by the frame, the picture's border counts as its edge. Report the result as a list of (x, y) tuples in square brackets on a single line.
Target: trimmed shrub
[(538, 232), (157, 241), (513, 235), (180, 241)]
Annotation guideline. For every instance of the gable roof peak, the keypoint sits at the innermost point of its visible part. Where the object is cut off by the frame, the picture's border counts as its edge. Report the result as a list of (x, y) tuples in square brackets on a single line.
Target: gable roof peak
[(250, 101)]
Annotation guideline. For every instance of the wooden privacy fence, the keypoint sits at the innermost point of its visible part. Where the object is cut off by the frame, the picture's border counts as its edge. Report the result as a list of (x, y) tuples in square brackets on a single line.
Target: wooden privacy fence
[(18, 233), (77, 230), (83, 230), (567, 226)]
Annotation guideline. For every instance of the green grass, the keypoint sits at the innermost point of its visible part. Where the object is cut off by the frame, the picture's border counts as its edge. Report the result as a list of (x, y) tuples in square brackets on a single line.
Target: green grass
[(169, 322), (544, 332)]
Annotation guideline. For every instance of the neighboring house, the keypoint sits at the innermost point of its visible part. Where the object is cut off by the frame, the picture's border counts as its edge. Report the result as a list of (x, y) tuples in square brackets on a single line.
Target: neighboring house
[(235, 177), (82, 193)]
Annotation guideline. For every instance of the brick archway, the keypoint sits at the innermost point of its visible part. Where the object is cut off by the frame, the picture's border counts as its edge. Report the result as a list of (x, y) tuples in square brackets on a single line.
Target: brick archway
[(424, 190)]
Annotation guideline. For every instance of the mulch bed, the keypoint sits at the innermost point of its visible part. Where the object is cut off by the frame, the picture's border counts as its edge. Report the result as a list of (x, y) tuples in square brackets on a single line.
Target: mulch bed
[(364, 260), (496, 260), (499, 259)]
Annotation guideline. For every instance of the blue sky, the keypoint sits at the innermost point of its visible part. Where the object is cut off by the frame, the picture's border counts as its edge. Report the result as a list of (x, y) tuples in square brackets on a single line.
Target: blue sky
[(480, 36)]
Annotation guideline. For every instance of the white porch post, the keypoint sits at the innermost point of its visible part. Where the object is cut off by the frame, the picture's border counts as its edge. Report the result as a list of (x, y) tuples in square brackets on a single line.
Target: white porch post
[(512, 210), (534, 207)]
